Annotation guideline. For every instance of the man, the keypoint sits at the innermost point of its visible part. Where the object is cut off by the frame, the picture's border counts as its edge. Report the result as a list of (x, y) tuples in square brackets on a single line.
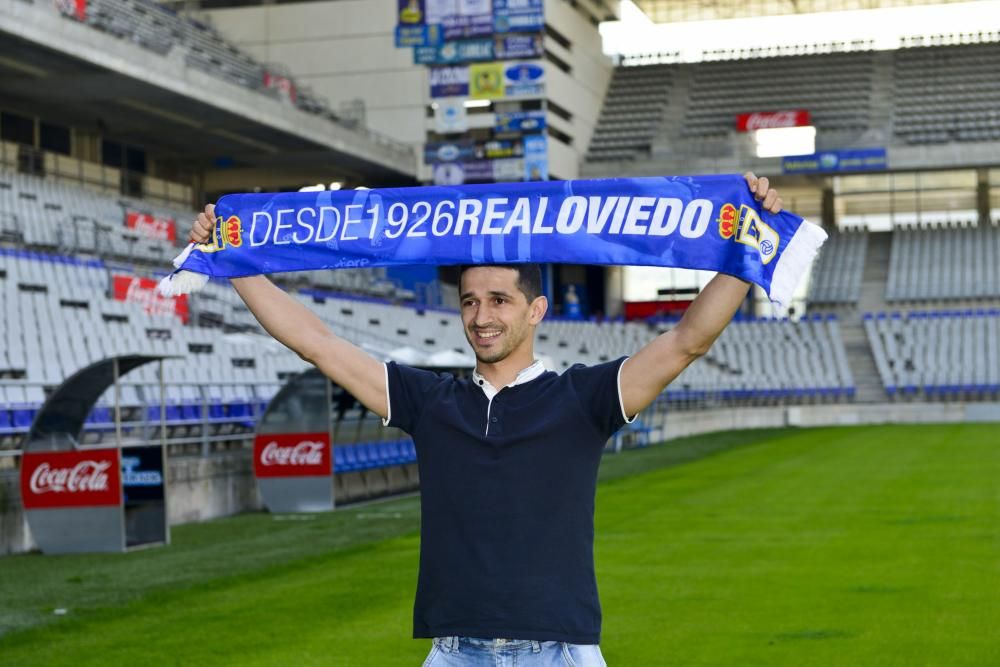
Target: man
[(508, 459)]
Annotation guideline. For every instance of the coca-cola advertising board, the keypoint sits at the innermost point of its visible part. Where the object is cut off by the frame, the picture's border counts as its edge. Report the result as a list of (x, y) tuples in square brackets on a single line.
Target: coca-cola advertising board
[(89, 478), (292, 455), (766, 120), (152, 226), (135, 289)]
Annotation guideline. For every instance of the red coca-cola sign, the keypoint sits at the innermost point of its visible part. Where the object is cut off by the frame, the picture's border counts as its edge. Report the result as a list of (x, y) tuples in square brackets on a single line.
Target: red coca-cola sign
[(292, 455), (765, 120), (90, 478), (152, 226), (135, 289)]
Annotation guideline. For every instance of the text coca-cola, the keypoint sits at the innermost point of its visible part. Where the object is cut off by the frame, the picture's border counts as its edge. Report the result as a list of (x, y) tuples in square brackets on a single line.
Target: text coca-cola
[(760, 120), (305, 453), (292, 455), (84, 476), (90, 478)]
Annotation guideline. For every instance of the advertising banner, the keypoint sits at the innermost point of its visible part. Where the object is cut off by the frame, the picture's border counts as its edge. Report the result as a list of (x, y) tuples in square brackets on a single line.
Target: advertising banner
[(151, 226), (449, 53), (450, 116), (520, 121), (418, 35), (292, 455), (510, 47), (90, 478), (486, 81), (862, 159), (464, 18), (518, 15), (449, 81), (142, 473), (282, 84), (536, 158), (449, 151), (134, 289), (765, 120), (74, 8), (511, 169), (524, 78)]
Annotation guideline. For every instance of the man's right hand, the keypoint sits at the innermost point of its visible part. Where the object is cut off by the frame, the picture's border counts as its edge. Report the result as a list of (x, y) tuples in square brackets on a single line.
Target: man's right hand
[(204, 224)]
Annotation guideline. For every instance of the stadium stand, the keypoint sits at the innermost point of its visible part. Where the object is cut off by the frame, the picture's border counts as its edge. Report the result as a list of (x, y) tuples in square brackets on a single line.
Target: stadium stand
[(835, 88), (631, 113), (836, 276), (741, 365), (69, 219), (937, 354), (161, 30), (947, 93), (944, 262)]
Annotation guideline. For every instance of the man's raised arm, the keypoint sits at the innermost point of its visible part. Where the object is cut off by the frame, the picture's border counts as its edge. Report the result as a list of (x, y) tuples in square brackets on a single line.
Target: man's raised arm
[(302, 331), (649, 371)]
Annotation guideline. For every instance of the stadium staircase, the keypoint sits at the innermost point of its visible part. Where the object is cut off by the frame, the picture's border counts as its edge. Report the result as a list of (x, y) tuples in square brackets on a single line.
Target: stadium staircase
[(867, 382)]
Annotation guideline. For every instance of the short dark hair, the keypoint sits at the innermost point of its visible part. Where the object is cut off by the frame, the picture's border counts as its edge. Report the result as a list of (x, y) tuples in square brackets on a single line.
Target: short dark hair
[(529, 277)]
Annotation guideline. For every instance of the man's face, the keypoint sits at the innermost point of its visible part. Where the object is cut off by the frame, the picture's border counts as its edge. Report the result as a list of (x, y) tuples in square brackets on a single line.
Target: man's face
[(496, 314)]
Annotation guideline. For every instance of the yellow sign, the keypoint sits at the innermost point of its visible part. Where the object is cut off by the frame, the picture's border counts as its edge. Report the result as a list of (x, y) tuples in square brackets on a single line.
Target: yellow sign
[(486, 81)]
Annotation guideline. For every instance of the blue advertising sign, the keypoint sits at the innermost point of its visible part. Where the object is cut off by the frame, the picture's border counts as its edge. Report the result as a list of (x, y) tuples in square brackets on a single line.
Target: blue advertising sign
[(520, 121), (418, 35), (536, 158), (142, 473), (450, 53), (518, 15), (861, 159), (449, 81), (524, 78), (519, 46), (448, 151)]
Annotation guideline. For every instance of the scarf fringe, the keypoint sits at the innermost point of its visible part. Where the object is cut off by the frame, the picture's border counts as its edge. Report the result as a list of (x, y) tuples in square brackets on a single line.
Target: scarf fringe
[(794, 262)]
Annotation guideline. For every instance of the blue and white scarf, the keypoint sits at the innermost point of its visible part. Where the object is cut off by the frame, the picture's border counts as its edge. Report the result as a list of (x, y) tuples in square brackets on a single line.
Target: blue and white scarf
[(706, 222)]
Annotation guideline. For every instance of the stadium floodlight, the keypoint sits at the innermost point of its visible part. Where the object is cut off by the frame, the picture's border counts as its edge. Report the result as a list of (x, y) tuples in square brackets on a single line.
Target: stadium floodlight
[(335, 185), (319, 187), (476, 104), (782, 141)]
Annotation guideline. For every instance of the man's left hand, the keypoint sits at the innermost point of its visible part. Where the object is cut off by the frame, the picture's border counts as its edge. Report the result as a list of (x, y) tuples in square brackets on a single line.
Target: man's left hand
[(763, 192)]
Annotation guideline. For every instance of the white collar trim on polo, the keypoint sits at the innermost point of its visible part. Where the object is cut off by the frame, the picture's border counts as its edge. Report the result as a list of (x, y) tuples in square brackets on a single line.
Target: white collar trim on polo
[(526, 375)]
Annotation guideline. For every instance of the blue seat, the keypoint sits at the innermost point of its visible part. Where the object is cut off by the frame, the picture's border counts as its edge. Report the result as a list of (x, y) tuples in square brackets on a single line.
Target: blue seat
[(364, 456), (5, 420), (384, 455), (395, 453), (350, 456), (339, 463), (22, 416), (409, 450)]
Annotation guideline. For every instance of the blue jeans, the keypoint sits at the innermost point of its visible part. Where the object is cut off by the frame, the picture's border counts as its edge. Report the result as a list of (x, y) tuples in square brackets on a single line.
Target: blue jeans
[(470, 652)]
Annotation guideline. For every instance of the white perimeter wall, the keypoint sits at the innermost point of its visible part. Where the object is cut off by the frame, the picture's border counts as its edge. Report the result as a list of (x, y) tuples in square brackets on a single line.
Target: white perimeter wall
[(581, 92)]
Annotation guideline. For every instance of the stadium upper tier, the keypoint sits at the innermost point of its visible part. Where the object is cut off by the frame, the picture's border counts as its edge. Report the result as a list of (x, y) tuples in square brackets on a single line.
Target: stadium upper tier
[(947, 93), (917, 95), (835, 89), (159, 29)]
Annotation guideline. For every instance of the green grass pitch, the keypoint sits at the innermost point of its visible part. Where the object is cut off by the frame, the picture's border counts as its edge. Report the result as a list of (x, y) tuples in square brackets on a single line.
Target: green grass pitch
[(835, 546)]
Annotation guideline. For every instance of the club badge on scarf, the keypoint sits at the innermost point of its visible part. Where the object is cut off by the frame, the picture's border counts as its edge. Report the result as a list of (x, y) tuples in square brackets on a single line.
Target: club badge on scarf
[(705, 222)]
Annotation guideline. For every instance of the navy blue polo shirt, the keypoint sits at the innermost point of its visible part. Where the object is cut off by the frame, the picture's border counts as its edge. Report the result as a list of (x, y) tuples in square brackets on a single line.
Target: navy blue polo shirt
[(507, 500)]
